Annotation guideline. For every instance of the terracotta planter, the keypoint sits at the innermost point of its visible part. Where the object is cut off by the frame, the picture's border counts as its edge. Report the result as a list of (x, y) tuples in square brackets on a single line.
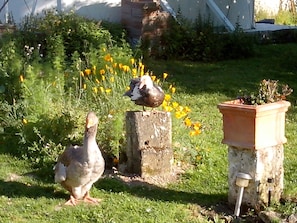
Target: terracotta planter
[(254, 127)]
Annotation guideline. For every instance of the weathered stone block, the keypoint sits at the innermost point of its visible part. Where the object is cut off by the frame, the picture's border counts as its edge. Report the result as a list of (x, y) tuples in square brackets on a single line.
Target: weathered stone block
[(266, 169), (149, 140)]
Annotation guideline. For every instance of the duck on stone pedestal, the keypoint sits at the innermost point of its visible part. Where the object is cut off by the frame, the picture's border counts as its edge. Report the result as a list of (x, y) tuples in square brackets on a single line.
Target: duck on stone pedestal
[(79, 167), (144, 92)]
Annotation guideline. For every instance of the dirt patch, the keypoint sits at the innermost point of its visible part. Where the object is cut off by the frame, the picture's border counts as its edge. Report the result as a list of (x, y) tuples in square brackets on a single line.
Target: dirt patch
[(12, 177), (136, 180)]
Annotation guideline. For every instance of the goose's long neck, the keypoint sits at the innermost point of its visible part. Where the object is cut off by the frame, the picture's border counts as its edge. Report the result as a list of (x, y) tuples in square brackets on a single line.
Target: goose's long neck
[(90, 143)]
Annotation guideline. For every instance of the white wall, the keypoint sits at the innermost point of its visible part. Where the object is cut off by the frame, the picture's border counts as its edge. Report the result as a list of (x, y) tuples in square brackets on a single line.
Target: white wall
[(97, 9), (235, 10), (241, 11)]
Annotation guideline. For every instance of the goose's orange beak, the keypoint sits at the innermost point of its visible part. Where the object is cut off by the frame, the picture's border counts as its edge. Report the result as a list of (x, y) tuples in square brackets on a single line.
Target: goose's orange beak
[(89, 123)]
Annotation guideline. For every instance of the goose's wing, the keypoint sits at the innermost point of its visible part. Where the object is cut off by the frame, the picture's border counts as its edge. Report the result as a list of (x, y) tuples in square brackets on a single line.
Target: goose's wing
[(70, 156)]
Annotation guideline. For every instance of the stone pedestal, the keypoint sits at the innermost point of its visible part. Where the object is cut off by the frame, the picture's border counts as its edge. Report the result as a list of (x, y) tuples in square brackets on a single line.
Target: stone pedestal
[(265, 166), (149, 140)]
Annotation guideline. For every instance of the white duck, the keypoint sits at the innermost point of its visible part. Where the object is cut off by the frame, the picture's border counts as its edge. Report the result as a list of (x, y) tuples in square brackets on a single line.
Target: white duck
[(78, 167), (144, 92)]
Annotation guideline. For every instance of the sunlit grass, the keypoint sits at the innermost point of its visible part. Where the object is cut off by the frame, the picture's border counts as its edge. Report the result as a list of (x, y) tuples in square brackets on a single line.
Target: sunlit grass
[(28, 197)]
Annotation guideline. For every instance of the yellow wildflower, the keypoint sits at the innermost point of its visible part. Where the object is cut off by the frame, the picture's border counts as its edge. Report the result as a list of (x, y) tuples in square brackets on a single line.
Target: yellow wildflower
[(101, 89), (165, 75), (103, 78), (142, 70), (127, 88), (85, 86), (187, 109), (132, 60), (175, 104), (95, 89), (134, 72), (97, 81), (173, 90), (21, 78), (108, 58), (197, 126), (108, 90), (179, 108), (194, 133), (87, 71), (153, 77), (24, 121), (102, 71), (120, 65), (167, 97), (115, 65), (111, 79), (94, 69), (167, 108), (81, 74), (180, 114), (188, 122), (126, 68)]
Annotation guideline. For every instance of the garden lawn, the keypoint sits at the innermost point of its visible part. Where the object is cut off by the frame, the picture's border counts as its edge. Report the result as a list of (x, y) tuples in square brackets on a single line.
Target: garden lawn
[(28, 196)]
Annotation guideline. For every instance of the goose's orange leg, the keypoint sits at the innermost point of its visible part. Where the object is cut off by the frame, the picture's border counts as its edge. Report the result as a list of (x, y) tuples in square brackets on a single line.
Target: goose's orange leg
[(72, 201), (88, 199)]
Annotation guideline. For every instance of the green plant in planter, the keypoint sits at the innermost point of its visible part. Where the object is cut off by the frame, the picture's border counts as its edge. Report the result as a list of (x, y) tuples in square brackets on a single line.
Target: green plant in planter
[(269, 91)]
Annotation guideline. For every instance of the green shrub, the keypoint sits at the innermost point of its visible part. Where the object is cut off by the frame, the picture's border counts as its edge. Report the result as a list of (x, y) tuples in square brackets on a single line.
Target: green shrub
[(237, 44), (286, 18), (45, 90), (58, 76), (77, 33)]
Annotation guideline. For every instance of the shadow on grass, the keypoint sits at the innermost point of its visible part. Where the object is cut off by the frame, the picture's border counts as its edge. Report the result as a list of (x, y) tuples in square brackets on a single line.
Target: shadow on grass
[(14, 189), (217, 202)]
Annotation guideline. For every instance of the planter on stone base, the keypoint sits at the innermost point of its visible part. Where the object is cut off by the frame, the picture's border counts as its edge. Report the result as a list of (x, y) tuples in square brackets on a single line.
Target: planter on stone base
[(255, 136)]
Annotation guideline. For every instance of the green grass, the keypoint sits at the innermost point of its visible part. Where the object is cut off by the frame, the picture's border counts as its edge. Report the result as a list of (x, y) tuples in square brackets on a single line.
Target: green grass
[(28, 196)]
